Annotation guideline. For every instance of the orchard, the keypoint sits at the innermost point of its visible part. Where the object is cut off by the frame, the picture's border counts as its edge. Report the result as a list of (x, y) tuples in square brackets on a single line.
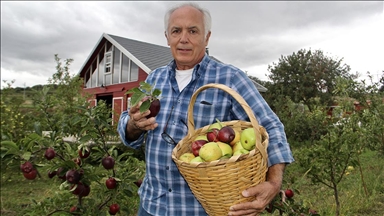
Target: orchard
[(76, 148), (70, 161)]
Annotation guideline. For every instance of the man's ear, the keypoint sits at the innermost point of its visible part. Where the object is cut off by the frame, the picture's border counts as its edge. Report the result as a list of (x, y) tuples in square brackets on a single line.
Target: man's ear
[(166, 36), (207, 38)]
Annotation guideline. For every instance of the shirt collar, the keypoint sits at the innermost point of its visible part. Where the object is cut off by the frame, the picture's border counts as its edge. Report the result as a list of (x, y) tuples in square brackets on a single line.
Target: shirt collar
[(198, 70)]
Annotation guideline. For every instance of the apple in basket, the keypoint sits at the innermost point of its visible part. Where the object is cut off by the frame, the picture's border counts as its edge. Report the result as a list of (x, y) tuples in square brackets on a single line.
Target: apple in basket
[(210, 151), (226, 134), (248, 138), (226, 149), (196, 145), (186, 157)]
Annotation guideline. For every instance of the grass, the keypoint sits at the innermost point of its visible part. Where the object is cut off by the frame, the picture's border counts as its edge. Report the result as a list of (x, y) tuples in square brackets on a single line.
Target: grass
[(353, 199), (18, 193)]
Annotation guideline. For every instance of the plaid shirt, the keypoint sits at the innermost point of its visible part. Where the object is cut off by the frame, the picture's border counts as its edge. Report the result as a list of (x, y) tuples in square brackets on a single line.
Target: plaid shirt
[(164, 190)]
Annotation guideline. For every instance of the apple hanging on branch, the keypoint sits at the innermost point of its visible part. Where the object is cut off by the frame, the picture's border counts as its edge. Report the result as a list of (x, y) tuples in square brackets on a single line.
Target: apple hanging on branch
[(150, 95)]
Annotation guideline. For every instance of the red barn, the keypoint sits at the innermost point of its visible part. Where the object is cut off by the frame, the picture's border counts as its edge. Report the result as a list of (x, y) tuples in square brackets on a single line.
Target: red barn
[(117, 64)]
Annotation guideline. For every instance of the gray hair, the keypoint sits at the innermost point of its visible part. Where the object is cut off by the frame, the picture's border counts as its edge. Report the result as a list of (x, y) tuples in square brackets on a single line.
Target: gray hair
[(206, 16)]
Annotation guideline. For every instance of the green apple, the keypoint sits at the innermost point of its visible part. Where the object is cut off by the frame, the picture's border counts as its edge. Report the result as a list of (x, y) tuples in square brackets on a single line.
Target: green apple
[(240, 152), (226, 149), (217, 125), (197, 159), (248, 138), (210, 152), (186, 157)]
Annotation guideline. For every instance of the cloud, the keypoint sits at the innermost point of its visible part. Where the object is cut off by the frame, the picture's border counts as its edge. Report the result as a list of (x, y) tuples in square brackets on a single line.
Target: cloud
[(249, 34)]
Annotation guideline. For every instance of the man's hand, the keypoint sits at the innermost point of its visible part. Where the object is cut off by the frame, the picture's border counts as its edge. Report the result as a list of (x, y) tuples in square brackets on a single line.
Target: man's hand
[(138, 122), (264, 193)]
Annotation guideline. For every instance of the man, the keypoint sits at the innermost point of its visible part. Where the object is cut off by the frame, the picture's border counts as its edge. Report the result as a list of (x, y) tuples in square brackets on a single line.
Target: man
[(164, 191)]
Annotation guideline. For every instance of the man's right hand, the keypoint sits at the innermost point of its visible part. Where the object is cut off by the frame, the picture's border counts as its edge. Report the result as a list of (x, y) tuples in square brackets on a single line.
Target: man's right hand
[(138, 122)]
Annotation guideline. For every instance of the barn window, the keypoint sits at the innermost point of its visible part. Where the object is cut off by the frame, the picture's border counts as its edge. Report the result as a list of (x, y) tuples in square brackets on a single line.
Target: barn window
[(108, 62)]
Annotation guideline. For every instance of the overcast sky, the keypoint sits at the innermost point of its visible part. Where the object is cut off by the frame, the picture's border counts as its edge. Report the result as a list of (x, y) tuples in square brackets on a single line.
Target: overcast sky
[(250, 35)]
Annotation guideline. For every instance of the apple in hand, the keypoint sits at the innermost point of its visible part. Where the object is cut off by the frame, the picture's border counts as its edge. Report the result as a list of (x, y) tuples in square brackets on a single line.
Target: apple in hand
[(154, 108)]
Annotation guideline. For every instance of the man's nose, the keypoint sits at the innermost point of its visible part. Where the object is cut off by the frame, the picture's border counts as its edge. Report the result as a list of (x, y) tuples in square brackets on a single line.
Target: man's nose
[(184, 37)]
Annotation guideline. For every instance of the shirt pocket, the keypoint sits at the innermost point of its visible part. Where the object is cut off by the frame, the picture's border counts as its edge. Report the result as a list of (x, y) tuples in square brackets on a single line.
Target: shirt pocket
[(210, 106)]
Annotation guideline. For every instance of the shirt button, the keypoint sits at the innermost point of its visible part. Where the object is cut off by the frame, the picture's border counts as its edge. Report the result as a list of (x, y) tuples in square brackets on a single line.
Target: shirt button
[(170, 190)]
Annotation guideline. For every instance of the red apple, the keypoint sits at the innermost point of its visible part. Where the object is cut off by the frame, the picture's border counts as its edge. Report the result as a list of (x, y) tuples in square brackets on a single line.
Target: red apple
[(30, 175), (114, 208), (26, 167), (86, 153), (111, 183), (289, 193), (49, 153), (154, 108), (60, 173), (196, 145), (77, 161), (51, 174), (212, 135), (108, 162), (226, 134), (72, 176)]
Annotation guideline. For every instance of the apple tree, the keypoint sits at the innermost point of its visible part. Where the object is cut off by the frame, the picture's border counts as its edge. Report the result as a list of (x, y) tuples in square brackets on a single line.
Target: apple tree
[(93, 172)]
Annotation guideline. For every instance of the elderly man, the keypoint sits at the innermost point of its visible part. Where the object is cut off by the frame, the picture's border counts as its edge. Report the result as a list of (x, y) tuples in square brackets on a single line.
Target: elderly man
[(164, 191)]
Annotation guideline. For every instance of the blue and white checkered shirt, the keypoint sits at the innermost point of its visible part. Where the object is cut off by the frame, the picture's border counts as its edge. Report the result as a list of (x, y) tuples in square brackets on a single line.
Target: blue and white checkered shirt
[(164, 190)]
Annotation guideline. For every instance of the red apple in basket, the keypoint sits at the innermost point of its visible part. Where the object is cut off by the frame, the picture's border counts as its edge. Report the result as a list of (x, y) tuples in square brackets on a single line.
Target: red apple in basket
[(196, 145), (212, 135), (226, 134)]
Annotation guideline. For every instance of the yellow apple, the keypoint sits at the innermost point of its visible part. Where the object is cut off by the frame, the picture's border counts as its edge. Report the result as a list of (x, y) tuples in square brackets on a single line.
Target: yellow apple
[(186, 157), (226, 149), (210, 151), (237, 137), (237, 146)]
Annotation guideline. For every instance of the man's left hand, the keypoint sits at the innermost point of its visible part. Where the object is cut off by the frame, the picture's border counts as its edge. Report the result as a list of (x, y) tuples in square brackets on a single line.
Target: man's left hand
[(264, 193)]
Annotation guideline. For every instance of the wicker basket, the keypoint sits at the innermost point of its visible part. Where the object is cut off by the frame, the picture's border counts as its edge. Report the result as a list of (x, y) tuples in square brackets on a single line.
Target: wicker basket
[(217, 185)]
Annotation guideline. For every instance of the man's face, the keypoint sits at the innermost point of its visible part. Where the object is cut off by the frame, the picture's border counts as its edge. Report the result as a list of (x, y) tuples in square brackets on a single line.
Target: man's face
[(186, 37)]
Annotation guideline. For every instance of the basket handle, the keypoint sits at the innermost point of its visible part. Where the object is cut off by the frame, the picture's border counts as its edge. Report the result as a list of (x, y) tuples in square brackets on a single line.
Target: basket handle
[(242, 102)]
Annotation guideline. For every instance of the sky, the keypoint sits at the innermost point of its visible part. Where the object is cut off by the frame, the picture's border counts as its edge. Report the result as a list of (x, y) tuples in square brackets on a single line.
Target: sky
[(247, 34)]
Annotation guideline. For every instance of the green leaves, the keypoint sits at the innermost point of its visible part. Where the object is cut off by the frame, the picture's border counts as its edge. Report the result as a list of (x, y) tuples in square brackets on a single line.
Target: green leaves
[(141, 92)]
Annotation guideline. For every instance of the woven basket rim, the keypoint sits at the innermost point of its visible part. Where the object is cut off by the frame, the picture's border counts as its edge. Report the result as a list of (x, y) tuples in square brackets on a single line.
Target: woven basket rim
[(260, 146)]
